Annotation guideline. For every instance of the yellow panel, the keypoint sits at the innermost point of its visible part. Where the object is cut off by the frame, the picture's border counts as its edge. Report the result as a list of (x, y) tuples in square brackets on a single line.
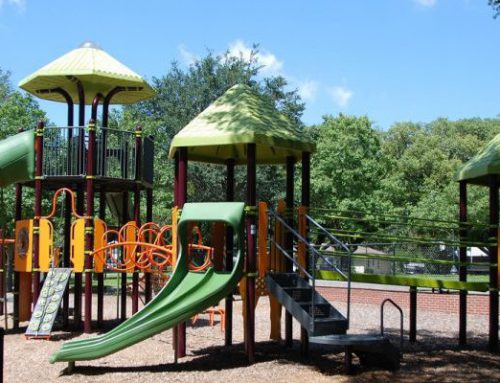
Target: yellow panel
[(24, 245), (78, 245), (99, 242), (175, 218), (45, 247)]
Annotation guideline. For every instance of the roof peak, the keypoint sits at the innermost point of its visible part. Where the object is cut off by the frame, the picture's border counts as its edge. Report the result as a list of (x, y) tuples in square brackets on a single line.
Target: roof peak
[(90, 44)]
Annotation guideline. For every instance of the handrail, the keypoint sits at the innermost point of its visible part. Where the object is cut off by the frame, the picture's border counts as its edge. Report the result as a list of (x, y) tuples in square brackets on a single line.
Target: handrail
[(401, 316), (316, 254)]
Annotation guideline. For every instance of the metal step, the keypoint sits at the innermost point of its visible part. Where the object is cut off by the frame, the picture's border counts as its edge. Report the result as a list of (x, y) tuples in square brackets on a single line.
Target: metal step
[(296, 295), (372, 350)]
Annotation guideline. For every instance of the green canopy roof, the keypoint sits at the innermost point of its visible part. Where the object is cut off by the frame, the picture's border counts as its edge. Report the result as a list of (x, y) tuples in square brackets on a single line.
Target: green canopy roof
[(98, 72), (239, 117), (484, 164)]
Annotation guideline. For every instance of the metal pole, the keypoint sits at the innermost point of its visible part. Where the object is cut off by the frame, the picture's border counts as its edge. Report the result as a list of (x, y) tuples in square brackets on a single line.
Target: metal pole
[(462, 269), (228, 335), (250, 260), (123, 297), (100, 276), (17, 276), (182, 199), (306, 200), (137, 211), (493, 322), (290, 161), (413, 314), (38, 210), (78, 276), (148, 290)]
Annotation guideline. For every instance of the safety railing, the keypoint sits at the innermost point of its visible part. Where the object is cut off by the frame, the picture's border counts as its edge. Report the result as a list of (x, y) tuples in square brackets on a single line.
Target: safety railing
[(401, 320), (316, 255), (65, 151)]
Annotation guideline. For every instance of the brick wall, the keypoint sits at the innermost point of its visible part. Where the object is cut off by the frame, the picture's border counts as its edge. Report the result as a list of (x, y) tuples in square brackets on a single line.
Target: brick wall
[(426, 300)]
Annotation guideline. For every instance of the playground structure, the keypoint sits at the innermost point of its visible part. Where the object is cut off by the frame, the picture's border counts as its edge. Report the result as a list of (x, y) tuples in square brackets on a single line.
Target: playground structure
[(261, 249)]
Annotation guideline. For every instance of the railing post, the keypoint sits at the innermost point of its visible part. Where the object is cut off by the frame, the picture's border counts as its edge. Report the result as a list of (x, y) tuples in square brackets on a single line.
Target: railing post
[(38, 209), (137, 212), (228, 335), (89, 227), (305, 201), (413, 314)]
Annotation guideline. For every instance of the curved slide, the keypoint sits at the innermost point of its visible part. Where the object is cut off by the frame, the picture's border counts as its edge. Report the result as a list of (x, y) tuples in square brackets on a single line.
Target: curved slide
[(186, 293), (17, 158)]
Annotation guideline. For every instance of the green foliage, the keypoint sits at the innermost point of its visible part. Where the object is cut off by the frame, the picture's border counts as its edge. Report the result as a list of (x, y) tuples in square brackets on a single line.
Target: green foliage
[(182, 95), (495, 4), (17, 111)]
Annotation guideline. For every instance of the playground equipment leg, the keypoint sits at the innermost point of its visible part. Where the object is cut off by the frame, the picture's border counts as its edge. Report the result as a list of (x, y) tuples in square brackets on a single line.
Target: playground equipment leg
[(2, 335), (462, 270), (135, 293), (148, 289), (18, 216), (100, 299), (413, 314), (228, 333), (462, 331), (289, 241), (123, 297), (78, 300), (494, 215), (348, 360)]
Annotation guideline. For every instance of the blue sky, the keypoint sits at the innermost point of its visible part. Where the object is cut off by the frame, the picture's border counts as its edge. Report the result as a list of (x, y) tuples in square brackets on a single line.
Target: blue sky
[(392, 60)]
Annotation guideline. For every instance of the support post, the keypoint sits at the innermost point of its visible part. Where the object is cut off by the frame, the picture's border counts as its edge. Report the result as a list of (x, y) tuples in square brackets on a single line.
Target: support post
[(89, 223), (413, 314), (38, 210), (148, 290), (305, 201), (250, 259), (290, 170), (228, 335), (493, 322), (182, 199), (123, 287), (462, 269), (17, 276), (137, 212), (100, 276), (78, 276)]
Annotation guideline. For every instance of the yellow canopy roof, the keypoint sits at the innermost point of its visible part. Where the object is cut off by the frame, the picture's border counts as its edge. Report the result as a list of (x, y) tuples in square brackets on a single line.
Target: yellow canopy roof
[(239, 117), (98, 72)]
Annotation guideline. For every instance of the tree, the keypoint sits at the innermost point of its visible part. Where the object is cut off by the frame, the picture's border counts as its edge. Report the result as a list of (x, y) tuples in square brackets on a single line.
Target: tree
[(495, 4), (17, 110), (181, 95)]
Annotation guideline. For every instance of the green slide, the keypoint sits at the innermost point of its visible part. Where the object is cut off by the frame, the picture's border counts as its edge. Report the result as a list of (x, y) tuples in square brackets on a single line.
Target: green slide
[(186, 293), (17, 158)]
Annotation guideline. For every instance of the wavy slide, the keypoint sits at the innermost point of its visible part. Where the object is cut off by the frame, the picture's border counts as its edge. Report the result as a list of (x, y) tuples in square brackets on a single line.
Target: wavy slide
[(186, 293), (17, 158)]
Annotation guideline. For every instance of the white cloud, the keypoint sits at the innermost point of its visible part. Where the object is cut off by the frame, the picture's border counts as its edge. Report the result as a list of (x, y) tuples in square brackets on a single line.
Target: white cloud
[(270, 63), (341, 96), (308, 89), (426, 3), (19, 4), (187, 56)]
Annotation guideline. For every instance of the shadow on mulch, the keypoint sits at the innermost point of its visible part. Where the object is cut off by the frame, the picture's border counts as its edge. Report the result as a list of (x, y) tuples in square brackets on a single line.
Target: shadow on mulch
[(434, 358)]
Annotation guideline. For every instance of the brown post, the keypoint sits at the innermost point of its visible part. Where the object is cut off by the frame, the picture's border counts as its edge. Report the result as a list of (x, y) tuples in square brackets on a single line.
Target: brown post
[(80, 195), (493, 250), (100, 276), (228, 335), (305, 200), (137, 211), (89, 223), (148, 289), (289, 240), (182, 199), (175, 330), (462, 269), (18, 216), (38, 210), (250, 259), (123, 287), (413, 314)]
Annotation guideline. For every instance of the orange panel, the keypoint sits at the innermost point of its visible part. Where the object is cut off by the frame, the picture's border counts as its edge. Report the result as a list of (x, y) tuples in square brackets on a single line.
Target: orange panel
[(77, 254), (129, 251), (218, 237), (262, 257), (24, 245), (45, 246), (99, 242)]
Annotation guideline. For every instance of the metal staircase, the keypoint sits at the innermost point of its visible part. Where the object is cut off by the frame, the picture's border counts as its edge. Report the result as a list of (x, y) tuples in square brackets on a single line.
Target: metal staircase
[(296, 291)]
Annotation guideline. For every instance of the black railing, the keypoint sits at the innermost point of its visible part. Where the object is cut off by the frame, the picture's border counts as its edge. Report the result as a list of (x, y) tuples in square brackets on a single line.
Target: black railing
[(66, 148)]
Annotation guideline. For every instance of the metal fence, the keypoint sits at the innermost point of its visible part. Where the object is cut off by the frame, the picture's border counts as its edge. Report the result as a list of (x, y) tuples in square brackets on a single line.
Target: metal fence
[(65, 152)]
